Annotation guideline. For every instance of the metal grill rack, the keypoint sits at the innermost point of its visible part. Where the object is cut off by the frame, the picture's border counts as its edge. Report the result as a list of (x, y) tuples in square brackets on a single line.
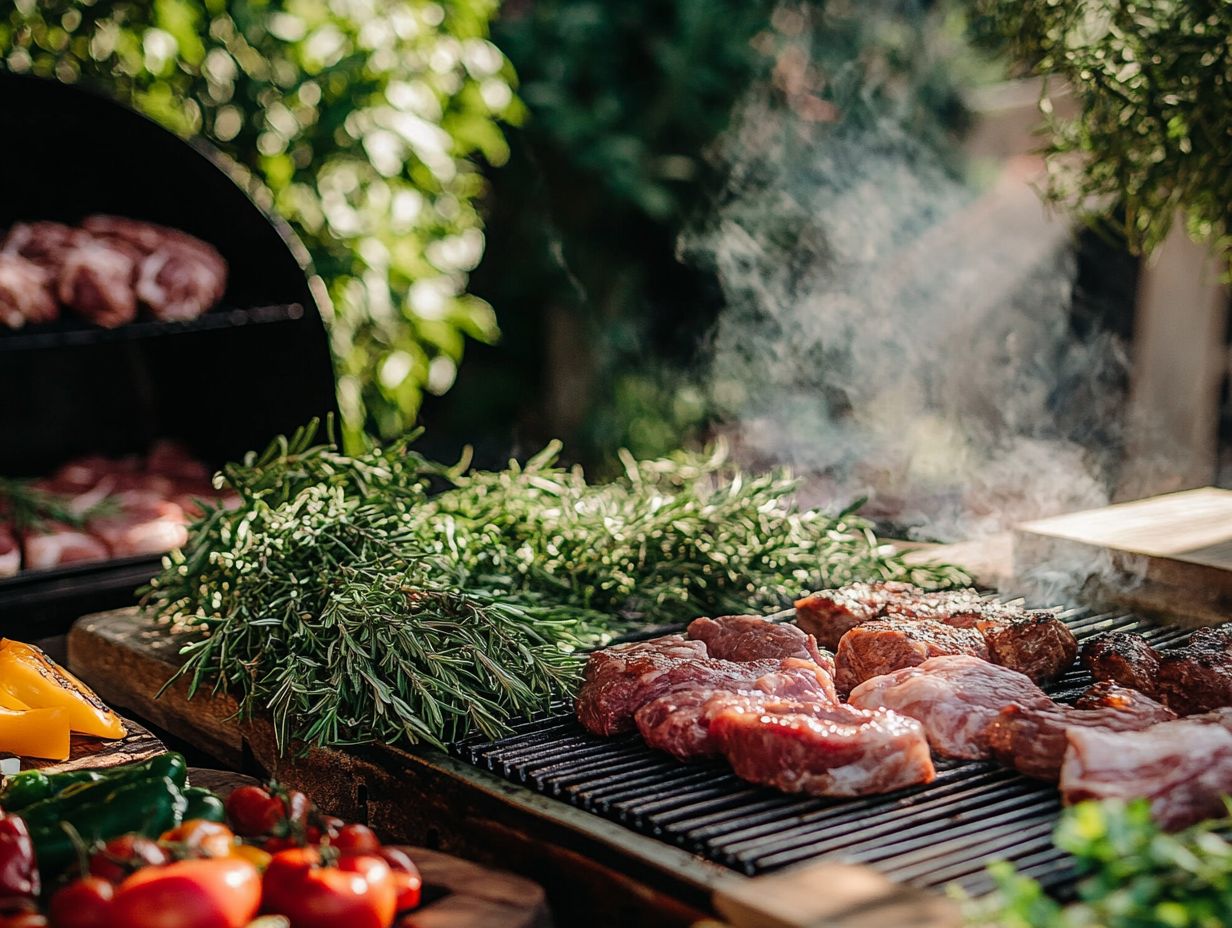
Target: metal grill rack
[(928, 836)]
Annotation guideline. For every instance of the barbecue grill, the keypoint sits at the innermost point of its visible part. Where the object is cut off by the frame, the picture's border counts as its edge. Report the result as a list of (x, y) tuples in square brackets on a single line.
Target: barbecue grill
[(255, 366)]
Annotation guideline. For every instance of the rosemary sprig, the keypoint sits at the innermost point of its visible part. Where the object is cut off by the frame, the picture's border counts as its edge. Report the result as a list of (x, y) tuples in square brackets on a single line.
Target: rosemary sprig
[(27, 507), (384, 597)]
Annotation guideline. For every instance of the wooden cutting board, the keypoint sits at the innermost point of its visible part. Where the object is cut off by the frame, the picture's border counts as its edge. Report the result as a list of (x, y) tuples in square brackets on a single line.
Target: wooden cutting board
[(1169, 555)]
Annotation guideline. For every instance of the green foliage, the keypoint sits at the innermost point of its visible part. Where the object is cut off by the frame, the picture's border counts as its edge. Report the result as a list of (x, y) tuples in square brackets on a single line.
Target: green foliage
[(385, 597), (1132, 875), (364, 118), (1153, 85)]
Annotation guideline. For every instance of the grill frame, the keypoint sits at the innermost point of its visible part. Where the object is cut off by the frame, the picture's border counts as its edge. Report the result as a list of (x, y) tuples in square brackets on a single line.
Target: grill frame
[(944, 833)]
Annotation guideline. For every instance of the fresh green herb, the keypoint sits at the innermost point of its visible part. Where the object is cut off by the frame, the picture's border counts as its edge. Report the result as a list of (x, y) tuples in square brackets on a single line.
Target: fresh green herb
[(385, 597), (1132, 875), (26, 507)]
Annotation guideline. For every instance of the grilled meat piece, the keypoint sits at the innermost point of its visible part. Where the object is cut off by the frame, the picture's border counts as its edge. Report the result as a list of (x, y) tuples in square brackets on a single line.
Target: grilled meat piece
[(678, 722), (884, 645), (751, 638), (96, 282), (1037, 644), (1033, 739), (1123, 658), (53, 544), (839, 751), (1183, 767), (44, 243), (141, 523), (10, 552), (953, 697), (620, 680), (830, 614), (25, 293)]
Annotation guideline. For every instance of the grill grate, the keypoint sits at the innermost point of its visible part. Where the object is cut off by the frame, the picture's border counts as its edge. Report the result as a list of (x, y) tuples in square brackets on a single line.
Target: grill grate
[(929, 836)]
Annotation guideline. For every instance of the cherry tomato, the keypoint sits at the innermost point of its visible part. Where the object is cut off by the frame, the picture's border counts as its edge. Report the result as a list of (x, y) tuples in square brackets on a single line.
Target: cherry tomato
[(274, 845), (200, 837), (406, 876), (121, 856), (356, 839), (359, 892), (211, 892), (252, 811), (84, 903)]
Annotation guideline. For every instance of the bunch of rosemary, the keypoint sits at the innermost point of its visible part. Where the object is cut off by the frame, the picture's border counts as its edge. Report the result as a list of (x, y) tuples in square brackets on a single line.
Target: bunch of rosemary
[(384, 597)]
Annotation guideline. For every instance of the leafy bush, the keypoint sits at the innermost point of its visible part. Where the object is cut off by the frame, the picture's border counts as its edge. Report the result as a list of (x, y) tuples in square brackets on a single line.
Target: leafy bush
[(364, 118), (1153, 132)]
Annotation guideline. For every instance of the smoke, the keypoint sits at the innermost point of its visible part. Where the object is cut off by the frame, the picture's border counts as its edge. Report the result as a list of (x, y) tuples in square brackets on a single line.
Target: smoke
[(893, 330)]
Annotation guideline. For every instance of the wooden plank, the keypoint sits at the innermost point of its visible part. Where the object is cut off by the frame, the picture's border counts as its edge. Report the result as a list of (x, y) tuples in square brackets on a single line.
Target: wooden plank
[(87, 751), (595, 871), (1169, 555)]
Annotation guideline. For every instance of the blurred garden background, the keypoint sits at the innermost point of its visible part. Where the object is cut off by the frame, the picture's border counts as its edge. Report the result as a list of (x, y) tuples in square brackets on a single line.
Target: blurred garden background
[(812, 229)]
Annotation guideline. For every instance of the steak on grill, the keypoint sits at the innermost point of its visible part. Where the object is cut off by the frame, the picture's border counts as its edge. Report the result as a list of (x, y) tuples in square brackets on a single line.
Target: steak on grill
[(25, 293), (1191, 679), (830, 614), (1036, 643), (840, 751), (1032, 739), (751, 638), (96, 282), (1183, 767), (678, 722), (884, 645), (953, 697)]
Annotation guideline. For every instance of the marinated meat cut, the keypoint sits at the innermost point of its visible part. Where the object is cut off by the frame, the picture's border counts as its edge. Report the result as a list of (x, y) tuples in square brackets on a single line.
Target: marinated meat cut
[(1035, 643), (1183, 767), (10, 552), (840, 751), (44, 243), (1120, 657), (1033, 740), (621, 679), (25, 293), (751, 638), (54, 544), (142, 523), (1191, 679), (96, 282), (953, 697), (884, 645), (678, 722)]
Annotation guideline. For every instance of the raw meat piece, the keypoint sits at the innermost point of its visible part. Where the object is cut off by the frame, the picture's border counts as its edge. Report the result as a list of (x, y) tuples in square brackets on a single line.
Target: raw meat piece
[(44, 243), (25, 293), (885, 645), (751, 638), (839, 751), (144, 523), (96, 282), (1037, 644), (54, 544), (179, 277), (1183, 767), (621, 679), (678, 722), (10, 552), (1033, 740), (953, 697), (1123, 658)]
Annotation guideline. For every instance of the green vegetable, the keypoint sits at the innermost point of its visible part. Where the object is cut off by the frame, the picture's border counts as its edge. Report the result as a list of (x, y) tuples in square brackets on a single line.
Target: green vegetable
[(1132, 875), (147, 806), (352, 605), (29, 786), (87, 791), (203, 804)]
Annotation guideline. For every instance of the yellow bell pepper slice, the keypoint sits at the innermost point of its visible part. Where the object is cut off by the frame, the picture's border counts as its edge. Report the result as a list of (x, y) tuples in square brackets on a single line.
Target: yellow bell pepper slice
[(29, 675), (9, 701), (35, 732)]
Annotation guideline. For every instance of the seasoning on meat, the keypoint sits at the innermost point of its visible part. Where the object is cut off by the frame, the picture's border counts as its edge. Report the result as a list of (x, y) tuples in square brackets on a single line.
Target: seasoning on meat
[(1183, 767), (96, 282), (1120, 657), (44, 243), (884, 645), (1032, 739), (25, 293), (678, 722), (953, 697), (837, 751), (751, 637), (830, 614), (1191, 679)]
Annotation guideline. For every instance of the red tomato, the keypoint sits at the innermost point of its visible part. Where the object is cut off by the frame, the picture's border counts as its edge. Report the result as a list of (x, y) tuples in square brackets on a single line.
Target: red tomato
[(200, 837), (359, 892), (84, 903), (213, 892), (252, 811), (121, 856), (356, 839), (406, 876), (23, 920)]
